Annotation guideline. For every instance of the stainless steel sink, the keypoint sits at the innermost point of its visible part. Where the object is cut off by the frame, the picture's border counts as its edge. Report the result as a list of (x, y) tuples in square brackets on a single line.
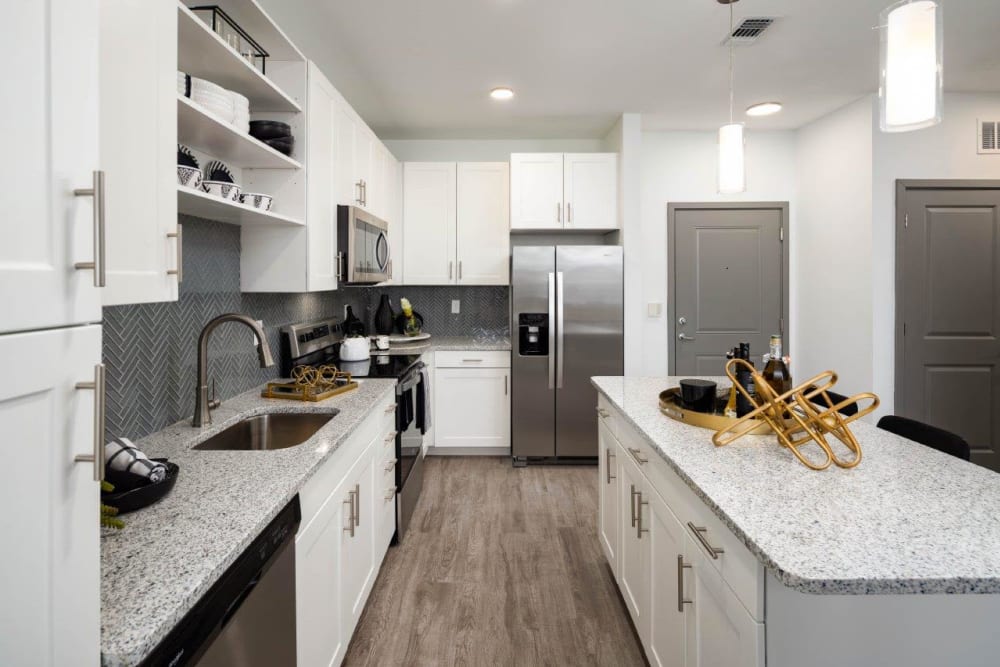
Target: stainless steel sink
[(269, 431)]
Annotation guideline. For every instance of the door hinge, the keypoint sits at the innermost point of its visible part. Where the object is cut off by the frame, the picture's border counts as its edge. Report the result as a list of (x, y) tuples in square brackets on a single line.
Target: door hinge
[(906, 220), (781, 326), (781, 234)]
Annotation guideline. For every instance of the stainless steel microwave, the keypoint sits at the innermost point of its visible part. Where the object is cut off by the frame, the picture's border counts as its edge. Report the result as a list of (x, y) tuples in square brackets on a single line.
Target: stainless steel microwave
[(363, 247)]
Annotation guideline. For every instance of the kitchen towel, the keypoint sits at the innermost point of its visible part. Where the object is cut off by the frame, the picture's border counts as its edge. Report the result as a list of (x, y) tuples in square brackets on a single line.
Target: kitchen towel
[(121, 454), (424, 401)]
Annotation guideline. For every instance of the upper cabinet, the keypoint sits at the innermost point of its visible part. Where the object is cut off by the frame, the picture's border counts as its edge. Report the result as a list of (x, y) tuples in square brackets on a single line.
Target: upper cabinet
[(456, 223), (564, 191), (138, 144), (50, 238)]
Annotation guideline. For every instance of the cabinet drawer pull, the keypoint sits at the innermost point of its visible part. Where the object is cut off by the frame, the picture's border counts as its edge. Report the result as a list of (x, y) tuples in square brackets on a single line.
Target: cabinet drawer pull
[(607, 464), (390, 464), (569, 212), (389, 438), (636, 455), (639, 530), (472, 361), (179, 271), (99, 266), (391, 408), (357, 504), (681, 601), (390, 493), (558, 212), (451, 266), (350, 517), (97, 456), (699, 532), (632, 495), (459, 269)]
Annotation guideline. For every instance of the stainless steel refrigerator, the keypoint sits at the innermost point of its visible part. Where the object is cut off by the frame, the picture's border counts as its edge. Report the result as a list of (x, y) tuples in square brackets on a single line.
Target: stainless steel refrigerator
[(567, 316)]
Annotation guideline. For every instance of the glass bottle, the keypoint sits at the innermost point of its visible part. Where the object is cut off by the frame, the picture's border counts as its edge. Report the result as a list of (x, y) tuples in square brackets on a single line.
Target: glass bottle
[(776, 371), (730, 410)]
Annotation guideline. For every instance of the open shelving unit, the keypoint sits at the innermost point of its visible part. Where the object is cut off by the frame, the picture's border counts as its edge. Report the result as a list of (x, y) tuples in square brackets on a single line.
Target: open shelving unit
[(203, 130), (203, 205)]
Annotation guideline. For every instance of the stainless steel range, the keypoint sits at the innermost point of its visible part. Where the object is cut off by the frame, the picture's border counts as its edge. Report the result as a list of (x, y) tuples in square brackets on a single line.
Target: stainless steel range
[(318, 343)]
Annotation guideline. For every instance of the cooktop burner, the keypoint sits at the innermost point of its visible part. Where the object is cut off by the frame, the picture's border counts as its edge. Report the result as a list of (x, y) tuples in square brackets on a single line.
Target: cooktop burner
[(318, 343)]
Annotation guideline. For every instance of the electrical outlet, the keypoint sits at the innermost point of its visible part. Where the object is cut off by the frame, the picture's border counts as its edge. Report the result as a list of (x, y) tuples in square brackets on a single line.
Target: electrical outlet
[(456, 306)]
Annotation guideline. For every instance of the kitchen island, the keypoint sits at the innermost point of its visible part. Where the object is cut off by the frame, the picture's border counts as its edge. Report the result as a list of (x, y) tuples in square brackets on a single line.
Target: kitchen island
[(896, 561)]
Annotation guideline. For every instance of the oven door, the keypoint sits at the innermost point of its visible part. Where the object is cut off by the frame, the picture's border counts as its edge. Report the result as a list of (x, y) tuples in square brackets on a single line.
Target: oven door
[(365, 238), (409, 447)]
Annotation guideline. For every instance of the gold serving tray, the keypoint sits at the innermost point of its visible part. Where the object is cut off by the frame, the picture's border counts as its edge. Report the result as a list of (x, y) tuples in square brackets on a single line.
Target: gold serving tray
[(304, 392), (670, 406)]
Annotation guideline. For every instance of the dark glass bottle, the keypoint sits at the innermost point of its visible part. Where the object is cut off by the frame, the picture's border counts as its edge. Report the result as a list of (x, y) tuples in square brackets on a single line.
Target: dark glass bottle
[(745, 377), (776, 371)]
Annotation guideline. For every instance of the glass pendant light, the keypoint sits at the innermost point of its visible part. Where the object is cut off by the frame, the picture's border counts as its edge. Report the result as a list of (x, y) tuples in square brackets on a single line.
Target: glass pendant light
[(910, 72), (732, 159)]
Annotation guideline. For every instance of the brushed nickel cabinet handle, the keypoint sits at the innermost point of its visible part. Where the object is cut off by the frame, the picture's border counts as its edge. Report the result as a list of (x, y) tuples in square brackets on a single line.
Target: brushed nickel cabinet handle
[(359, 199), (699, 532), (569, 213), (459, 269), (97, 455), (636, 455), (470, 361), (357, 504), (390, 464), (607, 464), (390, 493), (504, 385), (632, 503), (98, 265), (450, 267), (558, 212), (350, 518), (390, 408), (179, 271), (390, 437), (681, 601), (639, 530)]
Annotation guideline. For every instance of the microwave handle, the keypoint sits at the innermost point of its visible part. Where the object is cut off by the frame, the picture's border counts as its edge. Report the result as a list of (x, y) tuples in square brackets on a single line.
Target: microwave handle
[(383, 238)]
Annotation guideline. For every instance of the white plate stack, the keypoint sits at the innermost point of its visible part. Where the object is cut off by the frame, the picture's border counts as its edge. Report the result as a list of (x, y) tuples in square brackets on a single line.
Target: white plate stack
[(241, 112), (181, 83), (213, 98)]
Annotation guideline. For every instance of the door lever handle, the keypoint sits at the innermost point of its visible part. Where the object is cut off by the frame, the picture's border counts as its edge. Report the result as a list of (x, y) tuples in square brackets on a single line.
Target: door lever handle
[(684, 336)]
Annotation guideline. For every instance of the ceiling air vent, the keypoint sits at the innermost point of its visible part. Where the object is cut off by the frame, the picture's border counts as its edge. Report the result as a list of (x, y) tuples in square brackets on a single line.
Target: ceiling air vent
[(989, 137), (749, 30)]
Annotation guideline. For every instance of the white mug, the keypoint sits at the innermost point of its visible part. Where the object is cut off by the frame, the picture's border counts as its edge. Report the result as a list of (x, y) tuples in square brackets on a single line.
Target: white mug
[(381, 342)]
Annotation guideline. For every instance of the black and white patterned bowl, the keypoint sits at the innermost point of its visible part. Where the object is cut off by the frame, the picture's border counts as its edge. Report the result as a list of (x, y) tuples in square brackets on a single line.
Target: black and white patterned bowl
[(257, 200), (221, 189), (189, 177)]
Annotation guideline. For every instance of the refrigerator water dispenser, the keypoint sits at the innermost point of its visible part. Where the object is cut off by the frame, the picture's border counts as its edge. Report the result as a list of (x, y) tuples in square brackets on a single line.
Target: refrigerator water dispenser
[(533, 334)]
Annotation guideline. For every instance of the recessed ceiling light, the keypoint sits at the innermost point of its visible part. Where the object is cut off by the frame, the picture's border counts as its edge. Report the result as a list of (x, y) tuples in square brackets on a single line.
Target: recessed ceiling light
[(501, 93), (764, 109)]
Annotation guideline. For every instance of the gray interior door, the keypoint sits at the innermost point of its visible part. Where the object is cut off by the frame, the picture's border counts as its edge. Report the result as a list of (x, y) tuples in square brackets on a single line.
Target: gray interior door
[(948, 301), (590, 339), (728, 282)]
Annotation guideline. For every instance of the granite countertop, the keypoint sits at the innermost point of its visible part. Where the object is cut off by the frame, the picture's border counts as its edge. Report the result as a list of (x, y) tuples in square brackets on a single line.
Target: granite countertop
[(171, 553), (447, 343), (908, 519)]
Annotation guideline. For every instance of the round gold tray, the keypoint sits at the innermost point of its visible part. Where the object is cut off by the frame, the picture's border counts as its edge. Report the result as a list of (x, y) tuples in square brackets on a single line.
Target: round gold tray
[(670, 400)]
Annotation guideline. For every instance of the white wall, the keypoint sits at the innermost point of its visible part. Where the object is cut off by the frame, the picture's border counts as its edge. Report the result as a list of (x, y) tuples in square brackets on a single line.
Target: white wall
[(483, 150), (681, 167), (832, 312), (947, 150)]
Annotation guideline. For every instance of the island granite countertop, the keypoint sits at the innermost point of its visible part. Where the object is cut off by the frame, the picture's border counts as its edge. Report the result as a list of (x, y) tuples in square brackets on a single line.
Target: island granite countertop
[(907, 519), (169, 554)]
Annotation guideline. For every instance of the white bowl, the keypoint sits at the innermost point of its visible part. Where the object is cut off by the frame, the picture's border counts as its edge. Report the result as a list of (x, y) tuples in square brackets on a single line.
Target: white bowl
[(257, 200), (222, 190), (189, 177)]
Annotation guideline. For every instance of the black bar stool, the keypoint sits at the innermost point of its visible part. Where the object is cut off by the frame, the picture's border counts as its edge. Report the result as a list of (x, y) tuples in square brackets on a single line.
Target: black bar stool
[(925, 434)]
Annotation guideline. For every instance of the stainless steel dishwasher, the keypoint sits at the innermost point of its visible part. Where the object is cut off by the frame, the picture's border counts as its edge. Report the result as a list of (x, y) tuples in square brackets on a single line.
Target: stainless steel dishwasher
[(248, 617)]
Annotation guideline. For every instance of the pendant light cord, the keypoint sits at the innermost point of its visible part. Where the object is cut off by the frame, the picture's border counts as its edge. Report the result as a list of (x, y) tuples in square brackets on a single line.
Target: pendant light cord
[(731, 62)]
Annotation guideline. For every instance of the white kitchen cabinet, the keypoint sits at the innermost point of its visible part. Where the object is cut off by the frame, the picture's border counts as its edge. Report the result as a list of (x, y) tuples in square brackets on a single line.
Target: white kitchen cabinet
[(719, 630), (393, 180), (45, 230), (590, 190), (357, 552), (608, 519), (471, 408), (429, 218), (536, 190), (355, 145), (633, 566), (51, 558), (668, 613), (482, 222), (564, 191), (138, 144), (321, 204)]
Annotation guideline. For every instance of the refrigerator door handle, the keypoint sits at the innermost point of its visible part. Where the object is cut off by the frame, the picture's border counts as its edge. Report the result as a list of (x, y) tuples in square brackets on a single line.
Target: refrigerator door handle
[(559, 329), (552, 331)]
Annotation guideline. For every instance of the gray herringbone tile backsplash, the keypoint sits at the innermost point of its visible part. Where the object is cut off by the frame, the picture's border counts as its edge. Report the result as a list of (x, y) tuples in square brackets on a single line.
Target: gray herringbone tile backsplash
[(150, 349)]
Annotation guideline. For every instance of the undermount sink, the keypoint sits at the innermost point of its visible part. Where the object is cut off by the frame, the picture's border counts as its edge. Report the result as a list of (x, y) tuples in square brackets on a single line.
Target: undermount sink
[(269, 431)]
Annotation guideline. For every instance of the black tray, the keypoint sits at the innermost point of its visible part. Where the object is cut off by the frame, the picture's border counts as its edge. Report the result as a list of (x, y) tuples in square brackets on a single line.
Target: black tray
[(142, 496)]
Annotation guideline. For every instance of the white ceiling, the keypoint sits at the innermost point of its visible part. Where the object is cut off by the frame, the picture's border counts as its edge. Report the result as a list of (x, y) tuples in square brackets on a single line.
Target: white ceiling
[(423, 68)]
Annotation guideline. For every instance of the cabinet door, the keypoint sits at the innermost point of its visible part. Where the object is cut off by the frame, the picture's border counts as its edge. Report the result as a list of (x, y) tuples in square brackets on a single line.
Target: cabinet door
[(138, 110), (633, 566), (665, 644), (608, 520), (348, 182), (357, 554), (321, 211), (429, 223), (45, 230), (473, 407), (591, 190), (536, 190), (483, 223), (319, 627), (364, 160), (393, 183), (50, 562), (719, 630)]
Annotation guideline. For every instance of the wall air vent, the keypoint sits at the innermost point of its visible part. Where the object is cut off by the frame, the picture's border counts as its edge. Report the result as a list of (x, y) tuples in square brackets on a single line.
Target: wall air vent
[(989, 137), (748, 31)]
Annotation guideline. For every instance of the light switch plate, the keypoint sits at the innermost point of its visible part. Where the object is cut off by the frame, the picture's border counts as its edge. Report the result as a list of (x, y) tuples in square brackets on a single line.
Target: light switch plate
[(456, 306), (654, 309)]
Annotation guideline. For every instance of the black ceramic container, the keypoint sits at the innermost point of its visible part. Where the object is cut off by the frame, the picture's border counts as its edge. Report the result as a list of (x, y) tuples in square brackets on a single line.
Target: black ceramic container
[(385, 319), (352, 325)]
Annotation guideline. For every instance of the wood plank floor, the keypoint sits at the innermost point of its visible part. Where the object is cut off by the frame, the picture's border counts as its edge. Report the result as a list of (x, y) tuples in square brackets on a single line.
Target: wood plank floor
[(501, 566)]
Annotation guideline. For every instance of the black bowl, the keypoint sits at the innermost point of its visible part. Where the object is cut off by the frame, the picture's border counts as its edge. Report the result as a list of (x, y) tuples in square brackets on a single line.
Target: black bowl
[(131, 495), (283, 145), (698, 395), (185, 158), (269, 129)]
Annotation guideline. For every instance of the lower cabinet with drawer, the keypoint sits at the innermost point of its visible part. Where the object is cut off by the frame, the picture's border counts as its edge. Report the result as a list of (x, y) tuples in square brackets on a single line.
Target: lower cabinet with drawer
[(342, 538), (694, 593), (471, 402)]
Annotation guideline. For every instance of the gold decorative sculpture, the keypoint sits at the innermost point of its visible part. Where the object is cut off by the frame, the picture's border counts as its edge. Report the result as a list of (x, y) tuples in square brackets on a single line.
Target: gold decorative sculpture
[(311, 383), (800, 416)]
